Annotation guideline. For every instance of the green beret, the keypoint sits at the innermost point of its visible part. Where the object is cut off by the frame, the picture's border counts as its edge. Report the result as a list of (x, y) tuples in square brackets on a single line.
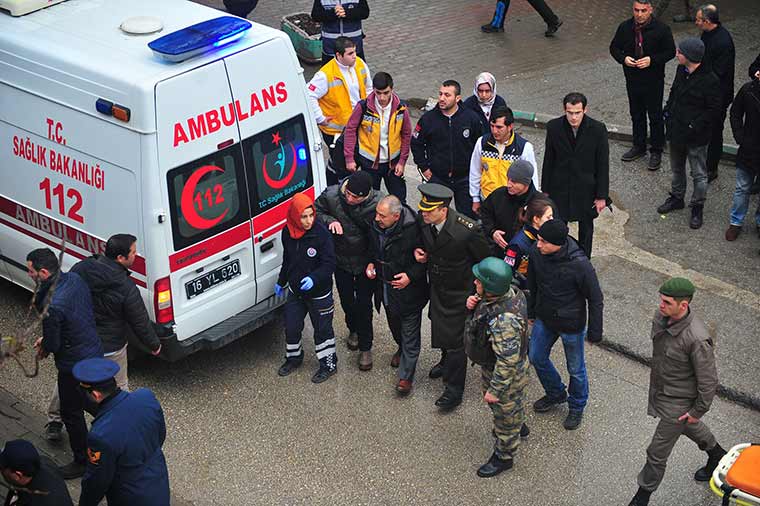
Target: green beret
[(677, 287)]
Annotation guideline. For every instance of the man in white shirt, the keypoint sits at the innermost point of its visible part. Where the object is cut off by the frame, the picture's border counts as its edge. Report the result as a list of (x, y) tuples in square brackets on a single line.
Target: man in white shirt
[(335, 90), (494, 154)]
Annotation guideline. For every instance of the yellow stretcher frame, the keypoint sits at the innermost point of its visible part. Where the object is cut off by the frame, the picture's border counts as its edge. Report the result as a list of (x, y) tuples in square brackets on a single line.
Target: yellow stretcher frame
[(738, 497)]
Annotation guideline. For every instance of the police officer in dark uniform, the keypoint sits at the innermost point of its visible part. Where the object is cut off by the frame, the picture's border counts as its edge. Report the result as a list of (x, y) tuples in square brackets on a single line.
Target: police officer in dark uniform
[(452, 245), (125, 461)]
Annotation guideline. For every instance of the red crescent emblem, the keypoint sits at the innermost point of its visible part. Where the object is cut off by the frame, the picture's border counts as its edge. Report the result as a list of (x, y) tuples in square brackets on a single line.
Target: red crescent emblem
[(187, 205), (277, 184)]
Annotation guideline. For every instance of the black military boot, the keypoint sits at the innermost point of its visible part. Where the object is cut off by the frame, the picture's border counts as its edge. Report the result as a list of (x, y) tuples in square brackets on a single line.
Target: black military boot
[(524, 431), (696, 216), (671, 204), (641, 498), (713, 459), (494, 466)]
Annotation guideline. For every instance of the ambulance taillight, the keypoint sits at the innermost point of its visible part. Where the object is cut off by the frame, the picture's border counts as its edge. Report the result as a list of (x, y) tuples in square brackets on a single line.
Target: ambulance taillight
[(162, 301)]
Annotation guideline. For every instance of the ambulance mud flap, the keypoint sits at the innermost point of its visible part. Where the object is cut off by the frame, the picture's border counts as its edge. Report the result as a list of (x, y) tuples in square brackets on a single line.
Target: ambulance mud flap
[(225, 332)]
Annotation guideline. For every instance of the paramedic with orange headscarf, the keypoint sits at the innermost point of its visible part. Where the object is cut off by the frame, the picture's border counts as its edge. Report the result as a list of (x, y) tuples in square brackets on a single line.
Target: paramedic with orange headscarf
[(306, 280)]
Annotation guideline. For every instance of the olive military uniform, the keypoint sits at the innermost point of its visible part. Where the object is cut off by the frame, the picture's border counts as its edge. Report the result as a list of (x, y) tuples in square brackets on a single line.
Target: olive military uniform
[(452, 251), (683, 379)]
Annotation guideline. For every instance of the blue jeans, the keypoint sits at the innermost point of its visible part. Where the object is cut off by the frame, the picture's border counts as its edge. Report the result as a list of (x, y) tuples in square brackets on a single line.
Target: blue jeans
[(542, 340), (744, 180)]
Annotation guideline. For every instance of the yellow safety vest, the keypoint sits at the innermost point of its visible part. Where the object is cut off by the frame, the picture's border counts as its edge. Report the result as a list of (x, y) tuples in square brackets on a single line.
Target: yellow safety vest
[(494, 168), (336, 103), (369, 133)]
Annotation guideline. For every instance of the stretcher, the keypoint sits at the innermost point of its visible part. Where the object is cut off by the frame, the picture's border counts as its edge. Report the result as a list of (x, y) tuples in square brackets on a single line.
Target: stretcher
[(737, 477)]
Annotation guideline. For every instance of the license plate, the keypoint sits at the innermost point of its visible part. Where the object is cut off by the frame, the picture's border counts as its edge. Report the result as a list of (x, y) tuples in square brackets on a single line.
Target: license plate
[(209, 280)]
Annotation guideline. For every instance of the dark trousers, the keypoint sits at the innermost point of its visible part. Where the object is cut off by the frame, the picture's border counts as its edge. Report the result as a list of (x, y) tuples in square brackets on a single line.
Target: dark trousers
[(646, 101), (585, 234), (715, 148), (454, 370), (502, 6), (461, 188), (72, 414), (355, 292), (405, 329), (333, 176), (384, 172), (320, 310)]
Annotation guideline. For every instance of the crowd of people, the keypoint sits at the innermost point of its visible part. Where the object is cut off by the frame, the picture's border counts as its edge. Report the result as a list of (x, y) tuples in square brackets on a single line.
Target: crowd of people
[(506, 235), (501, 276)]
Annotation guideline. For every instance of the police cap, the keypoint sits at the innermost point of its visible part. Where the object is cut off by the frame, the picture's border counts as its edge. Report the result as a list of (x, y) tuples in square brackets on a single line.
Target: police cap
[(94, 372), (434, 195)]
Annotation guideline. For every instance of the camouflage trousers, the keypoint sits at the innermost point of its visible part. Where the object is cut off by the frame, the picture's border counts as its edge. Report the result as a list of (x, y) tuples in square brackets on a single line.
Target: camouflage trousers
[(508, 413)]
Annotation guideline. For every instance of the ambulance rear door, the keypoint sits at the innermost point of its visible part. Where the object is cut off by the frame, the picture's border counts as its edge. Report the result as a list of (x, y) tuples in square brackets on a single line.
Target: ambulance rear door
[(213, 276), (274, 125)]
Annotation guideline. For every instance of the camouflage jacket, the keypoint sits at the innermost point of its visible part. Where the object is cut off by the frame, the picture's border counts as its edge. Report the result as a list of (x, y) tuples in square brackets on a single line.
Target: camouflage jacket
[(508, 330)]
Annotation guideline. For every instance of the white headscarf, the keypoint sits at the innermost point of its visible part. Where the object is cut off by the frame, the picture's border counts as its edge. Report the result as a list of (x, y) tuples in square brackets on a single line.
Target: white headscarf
[(489, 79)]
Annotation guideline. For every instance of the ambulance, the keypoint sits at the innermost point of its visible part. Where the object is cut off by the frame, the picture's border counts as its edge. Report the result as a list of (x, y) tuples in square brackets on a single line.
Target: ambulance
[(174, 122)]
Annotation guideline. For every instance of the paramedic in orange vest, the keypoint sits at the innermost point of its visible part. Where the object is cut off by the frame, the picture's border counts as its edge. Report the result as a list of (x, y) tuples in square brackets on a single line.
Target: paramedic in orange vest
[(383, 128), (335, 90)]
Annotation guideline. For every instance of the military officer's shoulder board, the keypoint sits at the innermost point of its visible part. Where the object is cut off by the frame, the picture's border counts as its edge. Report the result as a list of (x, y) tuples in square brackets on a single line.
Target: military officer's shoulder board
[(466, 222)]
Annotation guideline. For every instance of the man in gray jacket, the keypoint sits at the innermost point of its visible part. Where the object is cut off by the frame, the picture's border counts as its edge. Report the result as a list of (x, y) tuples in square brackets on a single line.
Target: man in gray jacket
[(681, 386)]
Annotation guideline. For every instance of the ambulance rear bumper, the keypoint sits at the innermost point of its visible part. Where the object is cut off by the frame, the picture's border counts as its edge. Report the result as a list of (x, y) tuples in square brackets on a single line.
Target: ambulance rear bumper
[(224, 332)]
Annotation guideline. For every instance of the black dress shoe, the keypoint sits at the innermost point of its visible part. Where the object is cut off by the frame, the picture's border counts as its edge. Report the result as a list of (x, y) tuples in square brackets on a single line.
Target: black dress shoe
[(437, 371), (489, 28), (288, 367), (322, 374), (634, 153), (494, 466), (72, 470), (448, 401)]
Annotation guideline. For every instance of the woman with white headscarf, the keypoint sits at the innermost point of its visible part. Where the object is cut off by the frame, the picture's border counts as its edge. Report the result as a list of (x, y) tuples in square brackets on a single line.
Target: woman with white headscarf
[(484, 99)]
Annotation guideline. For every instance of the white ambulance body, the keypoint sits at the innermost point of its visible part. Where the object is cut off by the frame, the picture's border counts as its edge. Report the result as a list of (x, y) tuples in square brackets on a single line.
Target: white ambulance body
[(197, 159)]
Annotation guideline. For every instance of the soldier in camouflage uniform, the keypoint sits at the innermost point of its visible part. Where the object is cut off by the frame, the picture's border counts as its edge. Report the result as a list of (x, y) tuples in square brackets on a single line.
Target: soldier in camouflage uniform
[(496, 337)]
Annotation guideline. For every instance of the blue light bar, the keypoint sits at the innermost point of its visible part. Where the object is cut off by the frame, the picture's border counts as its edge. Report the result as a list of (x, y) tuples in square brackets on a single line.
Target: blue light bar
[(302, 154), (197, 39)]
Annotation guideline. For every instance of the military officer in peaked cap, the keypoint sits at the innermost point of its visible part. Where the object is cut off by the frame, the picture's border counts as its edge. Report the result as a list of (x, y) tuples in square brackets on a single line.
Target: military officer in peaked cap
[(125, 462), (452, 244)]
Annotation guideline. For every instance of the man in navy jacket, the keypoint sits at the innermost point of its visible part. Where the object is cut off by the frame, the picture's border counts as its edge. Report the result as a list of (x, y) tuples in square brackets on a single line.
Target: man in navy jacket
[(68, 332)]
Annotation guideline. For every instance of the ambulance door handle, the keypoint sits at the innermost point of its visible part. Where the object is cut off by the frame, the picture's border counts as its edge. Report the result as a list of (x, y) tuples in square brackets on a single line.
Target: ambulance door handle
[(225, 258), (266, 247)]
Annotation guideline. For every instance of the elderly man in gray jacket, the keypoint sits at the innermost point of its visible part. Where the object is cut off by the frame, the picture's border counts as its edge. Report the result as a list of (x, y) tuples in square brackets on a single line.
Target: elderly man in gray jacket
[(681, 386)]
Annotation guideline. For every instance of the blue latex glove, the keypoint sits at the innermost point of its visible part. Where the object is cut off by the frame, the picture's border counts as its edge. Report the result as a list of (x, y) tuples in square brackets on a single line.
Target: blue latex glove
[(279, 290), (307, 284)]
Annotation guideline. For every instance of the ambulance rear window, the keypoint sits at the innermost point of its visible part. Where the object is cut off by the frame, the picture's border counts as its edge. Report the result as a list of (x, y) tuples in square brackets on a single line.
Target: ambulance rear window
[(207, 196), (281, 164)]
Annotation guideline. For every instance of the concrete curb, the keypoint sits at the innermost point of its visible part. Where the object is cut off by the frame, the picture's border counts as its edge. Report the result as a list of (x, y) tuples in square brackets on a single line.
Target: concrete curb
[(747, 400)]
